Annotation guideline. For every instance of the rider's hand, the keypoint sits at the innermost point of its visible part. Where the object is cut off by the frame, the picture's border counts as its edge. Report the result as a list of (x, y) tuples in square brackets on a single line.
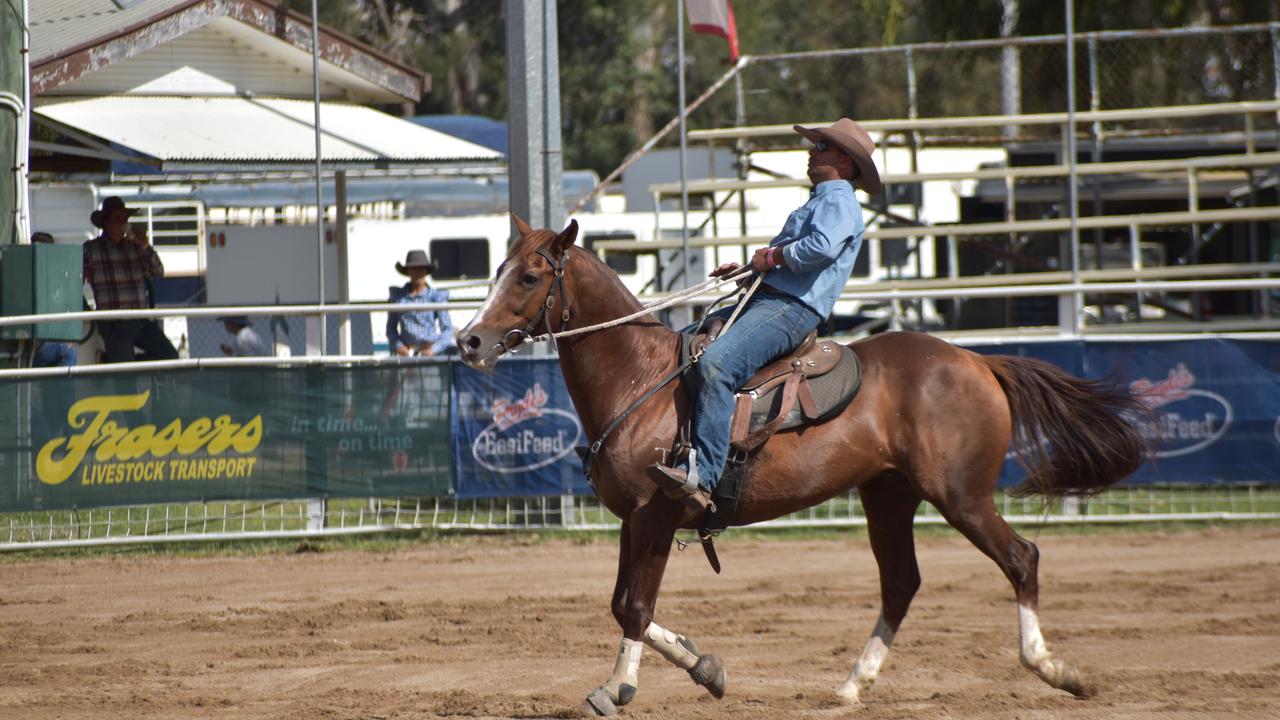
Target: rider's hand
[(402, 351), (728, 268), (762, 261)]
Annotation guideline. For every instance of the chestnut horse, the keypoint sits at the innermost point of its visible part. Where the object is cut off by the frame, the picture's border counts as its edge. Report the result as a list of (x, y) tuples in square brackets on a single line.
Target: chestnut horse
[(932, 422)]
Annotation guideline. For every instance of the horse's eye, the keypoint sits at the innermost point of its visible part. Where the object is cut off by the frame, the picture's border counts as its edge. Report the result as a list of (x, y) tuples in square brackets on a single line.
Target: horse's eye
[(529, 279)]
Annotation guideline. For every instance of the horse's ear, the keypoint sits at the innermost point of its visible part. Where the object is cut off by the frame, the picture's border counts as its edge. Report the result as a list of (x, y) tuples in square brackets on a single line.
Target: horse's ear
[(522, 227), (566, 237)]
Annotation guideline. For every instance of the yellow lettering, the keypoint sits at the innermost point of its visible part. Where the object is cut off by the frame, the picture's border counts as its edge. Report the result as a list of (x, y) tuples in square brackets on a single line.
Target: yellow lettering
[(247, 439), (194, 437), (167, 439), (224, 432), (53, 471), (111, 440), (136, 443)]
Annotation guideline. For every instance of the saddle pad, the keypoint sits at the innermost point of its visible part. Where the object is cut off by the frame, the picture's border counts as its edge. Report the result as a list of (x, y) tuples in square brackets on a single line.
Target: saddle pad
[(832, 392)]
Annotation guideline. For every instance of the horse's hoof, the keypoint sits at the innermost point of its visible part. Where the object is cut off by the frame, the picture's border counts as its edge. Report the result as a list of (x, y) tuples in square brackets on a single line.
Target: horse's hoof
[(600, 703), (709, 673), (1070, 680), (848, 693), (1062, 676)]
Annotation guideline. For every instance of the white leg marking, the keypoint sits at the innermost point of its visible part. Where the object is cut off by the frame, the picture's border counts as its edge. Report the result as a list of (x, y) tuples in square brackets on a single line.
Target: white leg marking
[(666, 644), (1035, 656), (867, 668), (1034, 651)]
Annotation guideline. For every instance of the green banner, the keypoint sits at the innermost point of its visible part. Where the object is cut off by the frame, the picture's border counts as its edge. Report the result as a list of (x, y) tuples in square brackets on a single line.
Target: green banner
[(225, 434)]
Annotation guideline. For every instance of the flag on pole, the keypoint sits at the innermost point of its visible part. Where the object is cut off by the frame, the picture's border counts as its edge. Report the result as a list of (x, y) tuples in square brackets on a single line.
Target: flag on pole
[(714, 17)]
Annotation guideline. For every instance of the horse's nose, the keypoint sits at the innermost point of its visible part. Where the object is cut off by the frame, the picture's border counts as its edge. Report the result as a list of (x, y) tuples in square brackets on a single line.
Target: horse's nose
[(469, 345)]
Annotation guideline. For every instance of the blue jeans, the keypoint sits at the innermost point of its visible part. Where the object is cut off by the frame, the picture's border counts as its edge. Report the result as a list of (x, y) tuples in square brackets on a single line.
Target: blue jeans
[(768, 327), (54, 354)]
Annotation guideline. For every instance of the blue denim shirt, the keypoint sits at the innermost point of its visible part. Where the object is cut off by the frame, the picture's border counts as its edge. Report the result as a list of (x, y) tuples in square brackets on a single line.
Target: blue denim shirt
[(819, 241), (424, 326)]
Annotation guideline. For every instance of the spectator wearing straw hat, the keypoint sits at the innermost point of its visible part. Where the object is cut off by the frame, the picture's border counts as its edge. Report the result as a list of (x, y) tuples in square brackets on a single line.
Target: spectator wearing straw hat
[(805, 267), (422, 332), (118, 265)]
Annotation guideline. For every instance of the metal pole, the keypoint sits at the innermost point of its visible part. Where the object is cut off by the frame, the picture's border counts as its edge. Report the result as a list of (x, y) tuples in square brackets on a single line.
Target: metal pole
[(316, 506), (315, 81), (1095, 104), (744, 162), (340, 239), (1071, 324), (533, 116), (552, 160), (23, 225), (684, 178), (1275, 59)]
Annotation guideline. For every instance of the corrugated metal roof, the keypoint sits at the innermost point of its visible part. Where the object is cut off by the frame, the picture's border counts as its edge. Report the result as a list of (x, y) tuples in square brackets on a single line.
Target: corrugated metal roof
[(221, 130), (60, 25), (73, 38)]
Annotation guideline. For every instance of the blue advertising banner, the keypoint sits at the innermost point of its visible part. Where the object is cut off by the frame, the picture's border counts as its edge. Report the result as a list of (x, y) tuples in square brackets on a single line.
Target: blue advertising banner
[(514, 430), (1215, 414), (1215, 402)]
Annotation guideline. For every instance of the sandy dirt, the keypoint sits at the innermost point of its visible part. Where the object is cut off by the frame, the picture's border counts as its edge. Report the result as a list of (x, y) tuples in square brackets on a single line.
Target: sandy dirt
[(1168, 625)]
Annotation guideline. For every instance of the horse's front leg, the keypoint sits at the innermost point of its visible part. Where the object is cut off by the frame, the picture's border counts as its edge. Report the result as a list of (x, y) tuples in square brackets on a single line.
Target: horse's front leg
[(645, 545), (706, 670)]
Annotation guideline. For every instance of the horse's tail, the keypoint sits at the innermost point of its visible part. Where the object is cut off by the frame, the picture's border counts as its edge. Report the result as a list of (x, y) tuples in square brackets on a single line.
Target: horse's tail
[(1072, 436)]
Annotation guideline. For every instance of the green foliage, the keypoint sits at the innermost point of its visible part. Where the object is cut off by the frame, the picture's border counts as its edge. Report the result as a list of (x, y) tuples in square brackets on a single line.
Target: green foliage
[(618, 59)]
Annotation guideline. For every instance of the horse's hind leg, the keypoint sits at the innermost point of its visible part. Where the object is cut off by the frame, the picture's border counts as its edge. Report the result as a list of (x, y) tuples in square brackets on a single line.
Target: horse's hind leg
[(890, 505), (1019, 559)]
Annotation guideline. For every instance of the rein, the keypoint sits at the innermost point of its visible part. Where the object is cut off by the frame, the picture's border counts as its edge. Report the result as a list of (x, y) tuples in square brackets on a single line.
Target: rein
[(525, 334)]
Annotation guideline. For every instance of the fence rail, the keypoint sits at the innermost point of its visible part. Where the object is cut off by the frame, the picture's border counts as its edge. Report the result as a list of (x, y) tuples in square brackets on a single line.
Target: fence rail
[(238, 521)]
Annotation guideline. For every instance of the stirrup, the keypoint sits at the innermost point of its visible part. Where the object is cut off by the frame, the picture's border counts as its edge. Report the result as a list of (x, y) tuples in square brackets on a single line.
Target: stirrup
[(677, 484)]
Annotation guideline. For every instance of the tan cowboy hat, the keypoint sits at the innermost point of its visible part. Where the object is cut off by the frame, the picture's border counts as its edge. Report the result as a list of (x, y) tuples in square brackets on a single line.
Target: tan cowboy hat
[(415, 259), (856, 143), (110, 205)]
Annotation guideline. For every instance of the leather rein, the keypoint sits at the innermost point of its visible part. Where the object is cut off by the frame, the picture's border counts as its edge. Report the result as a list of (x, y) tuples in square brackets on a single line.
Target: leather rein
[(526, 334)]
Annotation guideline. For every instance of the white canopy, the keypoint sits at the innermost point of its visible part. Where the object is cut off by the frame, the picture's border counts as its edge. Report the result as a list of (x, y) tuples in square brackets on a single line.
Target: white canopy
[(194, 131)]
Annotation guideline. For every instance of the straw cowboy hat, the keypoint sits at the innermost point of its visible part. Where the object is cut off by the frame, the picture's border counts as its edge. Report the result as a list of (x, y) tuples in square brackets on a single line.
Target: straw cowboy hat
[(856, 143), (415, 259), (110, 205)]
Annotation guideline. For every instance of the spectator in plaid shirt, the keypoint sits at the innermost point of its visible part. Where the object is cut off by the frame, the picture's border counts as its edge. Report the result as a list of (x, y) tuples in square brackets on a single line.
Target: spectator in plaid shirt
[(425, 332), (117, 265)]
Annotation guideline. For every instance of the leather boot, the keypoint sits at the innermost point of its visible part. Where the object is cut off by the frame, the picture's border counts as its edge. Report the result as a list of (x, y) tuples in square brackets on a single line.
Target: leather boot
[(678, 485)]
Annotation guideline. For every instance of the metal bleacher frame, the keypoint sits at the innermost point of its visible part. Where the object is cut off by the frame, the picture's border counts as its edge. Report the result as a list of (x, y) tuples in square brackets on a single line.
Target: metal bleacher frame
[(1258, 121)]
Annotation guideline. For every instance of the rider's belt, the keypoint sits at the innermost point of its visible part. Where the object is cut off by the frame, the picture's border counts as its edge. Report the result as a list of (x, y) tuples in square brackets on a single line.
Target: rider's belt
[(770, 290)]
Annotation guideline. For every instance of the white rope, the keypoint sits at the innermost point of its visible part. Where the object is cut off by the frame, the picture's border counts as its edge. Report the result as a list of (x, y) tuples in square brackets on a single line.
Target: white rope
[(741, 304), (654, 307)]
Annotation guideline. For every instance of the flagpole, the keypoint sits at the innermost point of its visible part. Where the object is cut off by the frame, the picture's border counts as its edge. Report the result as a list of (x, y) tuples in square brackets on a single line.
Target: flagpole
[(684, 179)]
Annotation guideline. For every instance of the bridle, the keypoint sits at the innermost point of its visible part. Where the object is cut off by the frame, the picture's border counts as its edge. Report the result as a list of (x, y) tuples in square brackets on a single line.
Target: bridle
[(526, 334), (517, 336)]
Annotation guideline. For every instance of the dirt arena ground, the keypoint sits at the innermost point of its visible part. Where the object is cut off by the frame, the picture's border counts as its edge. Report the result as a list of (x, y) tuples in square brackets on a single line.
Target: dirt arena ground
[(1168, 625)]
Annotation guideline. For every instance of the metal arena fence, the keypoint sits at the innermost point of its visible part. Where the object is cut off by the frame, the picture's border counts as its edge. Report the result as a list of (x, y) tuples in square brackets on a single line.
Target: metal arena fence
[(174, 520), (239, 521)]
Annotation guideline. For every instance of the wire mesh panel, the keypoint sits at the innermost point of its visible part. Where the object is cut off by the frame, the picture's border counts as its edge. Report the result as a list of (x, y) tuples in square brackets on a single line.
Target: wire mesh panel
[(285, 519)]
